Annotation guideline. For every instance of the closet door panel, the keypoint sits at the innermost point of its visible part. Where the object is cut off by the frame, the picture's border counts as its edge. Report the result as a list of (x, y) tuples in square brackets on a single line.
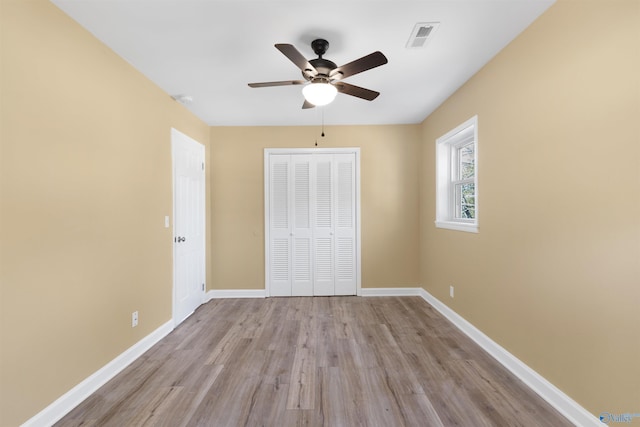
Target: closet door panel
[(345, 224), (302, 233), (323, 231), (280, 225)]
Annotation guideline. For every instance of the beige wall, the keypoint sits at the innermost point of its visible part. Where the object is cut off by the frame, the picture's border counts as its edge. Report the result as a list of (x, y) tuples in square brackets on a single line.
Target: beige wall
[(554, 274), (389, 160), (86, 183)]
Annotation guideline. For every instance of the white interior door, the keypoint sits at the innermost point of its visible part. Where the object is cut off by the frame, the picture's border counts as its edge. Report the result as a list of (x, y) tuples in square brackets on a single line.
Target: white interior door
[(188, 225), (311, 220)]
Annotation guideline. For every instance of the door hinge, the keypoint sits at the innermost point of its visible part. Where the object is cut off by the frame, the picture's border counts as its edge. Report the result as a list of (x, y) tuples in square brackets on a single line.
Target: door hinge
[(202, 165), (203, 287)]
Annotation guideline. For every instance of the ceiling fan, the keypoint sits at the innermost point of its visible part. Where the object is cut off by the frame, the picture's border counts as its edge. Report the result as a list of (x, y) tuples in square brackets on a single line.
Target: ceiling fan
[(323, 78)]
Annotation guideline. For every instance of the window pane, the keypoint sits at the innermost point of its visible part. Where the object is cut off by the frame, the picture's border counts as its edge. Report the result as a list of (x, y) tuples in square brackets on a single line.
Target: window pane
[(466, 166), (465, 201)]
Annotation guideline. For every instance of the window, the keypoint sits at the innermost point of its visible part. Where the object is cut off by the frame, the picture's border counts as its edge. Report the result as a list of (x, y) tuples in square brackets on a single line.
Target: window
[(457, 178)]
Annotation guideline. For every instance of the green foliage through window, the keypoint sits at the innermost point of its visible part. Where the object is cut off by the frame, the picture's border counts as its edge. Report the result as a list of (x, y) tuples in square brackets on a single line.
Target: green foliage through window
[(464, 187)]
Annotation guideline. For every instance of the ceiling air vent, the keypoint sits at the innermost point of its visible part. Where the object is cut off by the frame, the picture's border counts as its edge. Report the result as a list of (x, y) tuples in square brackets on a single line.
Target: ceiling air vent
[(421, 34)]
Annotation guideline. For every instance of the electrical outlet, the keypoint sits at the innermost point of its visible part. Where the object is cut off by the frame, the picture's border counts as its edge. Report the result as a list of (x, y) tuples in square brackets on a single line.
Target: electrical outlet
[(134, 319), (451, 291)]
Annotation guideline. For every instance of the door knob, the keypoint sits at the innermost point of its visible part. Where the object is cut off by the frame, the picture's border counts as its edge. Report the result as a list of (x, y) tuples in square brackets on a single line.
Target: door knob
[(180, 239)]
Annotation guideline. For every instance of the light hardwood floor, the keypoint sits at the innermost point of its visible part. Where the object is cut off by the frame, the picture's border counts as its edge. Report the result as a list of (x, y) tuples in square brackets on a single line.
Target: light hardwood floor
[(336, 361)]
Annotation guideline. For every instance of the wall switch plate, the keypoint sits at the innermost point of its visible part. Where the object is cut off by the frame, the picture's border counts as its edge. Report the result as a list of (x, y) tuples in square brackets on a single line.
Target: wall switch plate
[(166, 221), (451, 291), (134, 319)]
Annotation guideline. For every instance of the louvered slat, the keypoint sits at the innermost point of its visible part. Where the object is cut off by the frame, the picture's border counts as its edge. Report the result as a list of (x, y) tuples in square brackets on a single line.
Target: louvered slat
[(345, 195), (302, 195), (280, 259), (280, 195), (302, 260), (344, 259), (323, 194), (324, 259)]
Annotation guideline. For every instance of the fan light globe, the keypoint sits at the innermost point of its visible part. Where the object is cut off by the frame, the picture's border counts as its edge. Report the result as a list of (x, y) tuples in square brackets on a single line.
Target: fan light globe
[(319, 94)]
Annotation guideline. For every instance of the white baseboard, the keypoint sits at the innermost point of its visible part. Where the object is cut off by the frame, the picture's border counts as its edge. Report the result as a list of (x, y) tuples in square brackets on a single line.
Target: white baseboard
[(63, 405), (261, 293), (554, 396), (384, 292), (235, 293)]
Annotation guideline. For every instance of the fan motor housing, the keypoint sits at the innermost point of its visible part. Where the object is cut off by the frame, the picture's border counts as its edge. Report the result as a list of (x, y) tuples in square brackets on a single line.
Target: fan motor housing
[(323, 66)]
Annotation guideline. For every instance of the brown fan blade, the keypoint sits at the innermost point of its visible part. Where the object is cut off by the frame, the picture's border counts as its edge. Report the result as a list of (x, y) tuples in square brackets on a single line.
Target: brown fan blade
[(296, 57), (357, 91), (365, 63), (307, 104), (282, 83)]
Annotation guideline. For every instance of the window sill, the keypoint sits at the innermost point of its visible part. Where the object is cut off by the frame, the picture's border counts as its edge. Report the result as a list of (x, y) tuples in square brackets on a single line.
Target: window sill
[(458, 226)]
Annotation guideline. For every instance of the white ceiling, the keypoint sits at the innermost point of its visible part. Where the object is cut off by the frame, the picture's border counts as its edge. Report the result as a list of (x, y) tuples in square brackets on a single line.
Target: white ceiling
[(210, 49)]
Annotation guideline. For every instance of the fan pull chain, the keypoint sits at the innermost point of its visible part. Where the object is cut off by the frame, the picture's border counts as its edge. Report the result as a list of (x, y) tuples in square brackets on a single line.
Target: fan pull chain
[(322, 129)]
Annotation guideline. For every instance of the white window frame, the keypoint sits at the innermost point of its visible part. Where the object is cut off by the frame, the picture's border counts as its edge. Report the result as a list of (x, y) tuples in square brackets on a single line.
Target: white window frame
[(446, 171)]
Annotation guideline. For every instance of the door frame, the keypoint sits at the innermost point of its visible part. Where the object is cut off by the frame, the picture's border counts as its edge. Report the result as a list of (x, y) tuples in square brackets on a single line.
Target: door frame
[(290, 151), (175, 135)]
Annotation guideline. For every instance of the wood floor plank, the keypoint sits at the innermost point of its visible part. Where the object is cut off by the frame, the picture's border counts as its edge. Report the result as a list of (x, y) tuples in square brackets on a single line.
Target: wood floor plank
[(267, 403), (417, 410), (226, 346), (153, 412), (303, 380), (455, 407), (193, 396), (383, 405), (340, 361), (341, 402)]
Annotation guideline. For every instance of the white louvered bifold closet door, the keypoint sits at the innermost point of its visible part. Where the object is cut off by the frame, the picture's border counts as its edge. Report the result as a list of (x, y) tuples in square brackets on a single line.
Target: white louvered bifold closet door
[(312, 224)]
